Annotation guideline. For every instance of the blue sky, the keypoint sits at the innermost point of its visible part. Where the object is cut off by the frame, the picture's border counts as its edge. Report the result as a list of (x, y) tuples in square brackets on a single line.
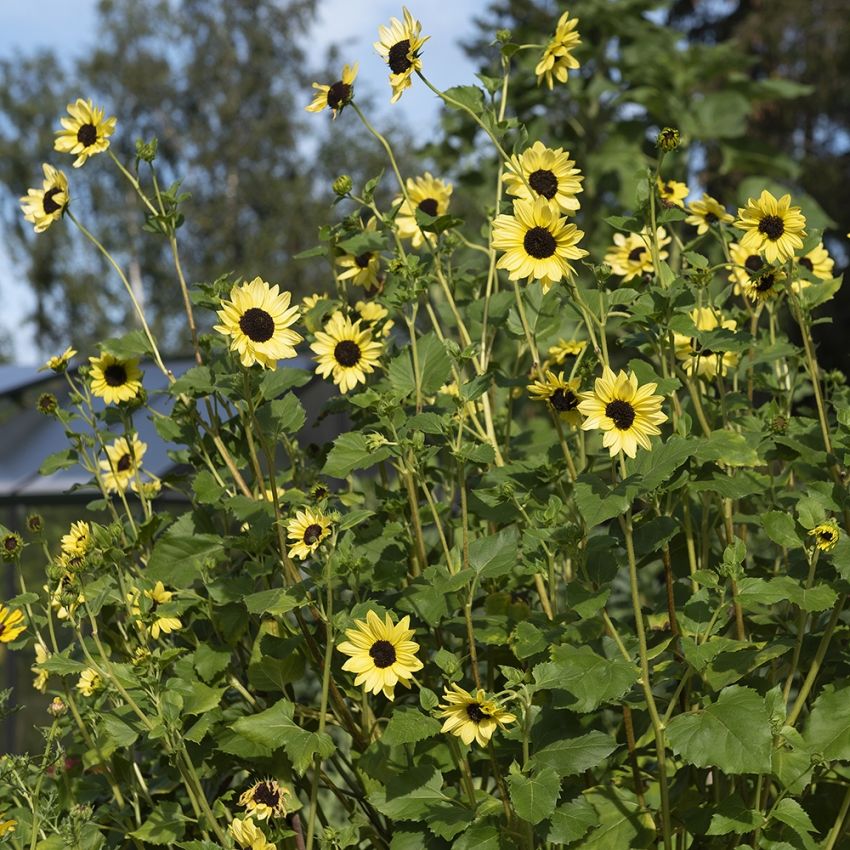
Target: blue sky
[(353, 24)]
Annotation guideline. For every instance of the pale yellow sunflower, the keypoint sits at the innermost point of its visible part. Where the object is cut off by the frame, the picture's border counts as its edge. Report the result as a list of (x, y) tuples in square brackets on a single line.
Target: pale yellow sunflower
[(123, 461), (306, 531), (631, 254), (12, 623), (7, 827), (563, 349), (426, 193), (671, 192), (557, 60), (376, 315), (818, 263), (249, 836), (89, 682), (85, 133), (772, 227), (113, 379), (258, 318), (697, 360), (400, 46), (336, 95), (705, 213), (561, 395), (769, 283), (43, 206), (746, 262), (472, 717), (39, 683), (78, 539), (265, 799), (537, 243), (59, 362), (363, 269), (826, 535), (547, 172), (345, 352), (628, 413), (162, 623)]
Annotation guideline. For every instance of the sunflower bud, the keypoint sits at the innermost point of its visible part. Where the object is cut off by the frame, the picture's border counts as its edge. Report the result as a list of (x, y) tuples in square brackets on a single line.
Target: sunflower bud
[(47, 404), (146, 151), (668, 139), (342, 185), (57, 708), (35, 523), (11, 546), (503, 36)]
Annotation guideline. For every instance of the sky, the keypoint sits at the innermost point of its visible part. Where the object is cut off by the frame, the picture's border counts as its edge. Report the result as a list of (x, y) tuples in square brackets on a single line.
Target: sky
[(352, 24)]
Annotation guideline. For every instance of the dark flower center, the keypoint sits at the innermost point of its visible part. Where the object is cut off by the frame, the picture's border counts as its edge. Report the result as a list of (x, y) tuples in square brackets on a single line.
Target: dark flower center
[(475, 713), (397, 57), (362, 260), (87, 134), (115, 375), (312, 534), (753, 263), (563, 400), (347, 353), (339, 94), (710, 217), (696, 348), (9, 543), (826, 536), (383, 653), (266, 794), (621, 412), (257, 325), (124, 463), (806, 263), (772, 226), (540, 243), (544, 183), (428, 206), (49, 205), (764, 283), (636, 253)]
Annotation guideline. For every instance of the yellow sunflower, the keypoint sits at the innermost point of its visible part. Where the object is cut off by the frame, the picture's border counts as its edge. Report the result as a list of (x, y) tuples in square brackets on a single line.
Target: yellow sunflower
[(362, 269), (59, 362), (265, 799), (7, 827), (78, 539), (772, 227), (306, 531), (671, 192), (697, 360), (382, 654), (249, 836), (537, 243), (545, 171), (766, 284), (826, 535), (562, 349), (11, 624), (337, 95), (561, 395), (631, 254), (400, 45), (345, 352), (557, 60), (818, 263), (123, 461), (39, 683), (376, 315), (89, 682), (472, 717), (113, 379), (45, 205), (163, 624), (259, 319), (705, 213), (627, 412), (426, 193), (746, 262), (85, 133)]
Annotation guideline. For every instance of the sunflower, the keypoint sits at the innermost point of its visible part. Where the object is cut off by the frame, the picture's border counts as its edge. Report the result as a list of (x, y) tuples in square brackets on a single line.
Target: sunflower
[(698, 360), (113, 379), (123, 461), (562, 349), (345, 352), (557, 60), (746, 262), (545, 171), (363, 269), (45, 205), (772, 227), (472, 717), (628, 413), (78, 539), (89, 682), (259, 318), (826, 535), (767, 284), (382, 654), (59, 362), (706, 212), (631, 255), (265, 799), (11, 624), (337, 95), (561, 396), (672, 193), (249, 836), (7, 827), (162, 623), (41, 675), (400, 45), (376, 315), (307, 530), (86, 132), (537, 242), (11, 545), (426, 193), (818, 263)]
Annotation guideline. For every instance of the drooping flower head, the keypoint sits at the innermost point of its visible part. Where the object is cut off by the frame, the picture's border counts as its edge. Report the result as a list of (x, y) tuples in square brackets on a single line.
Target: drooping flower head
[(162, 623), (563, 349), (772, 227), (547, 172), (346, 352), (631, 254), (59, 362), (337, 95), (113, 379), (826, 535), (400, 45), (248, 835), (627, 412), (557, 60), (672, 193), (428, 194), (41, 675), (561, 395), (697, 360), (89, 682), (12, 623), (85, 133), (306, 531), (78, 539), (537, 243), (265, 799), (123, 460), (818, 263), (472, 717), (382, 654), (363, 269), (43, 206), (707, 212), (258, 319)]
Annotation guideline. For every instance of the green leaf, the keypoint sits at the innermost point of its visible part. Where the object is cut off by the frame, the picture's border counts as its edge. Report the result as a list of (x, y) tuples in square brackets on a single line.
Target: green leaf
[(287, 413), (792, 814), (534, 796), (209, 662), (194, 382), (164, 825), (123, 734), (180, 552), (622, 823), (495, 555), (828, 729), (732, 815), (277, 601), (569, 756), (434, 367), (130, 345), (728, 448), (571, 821), (597, 501), (58, 460), (781, 528), (469, 96), (351, 451), (407, 726), (275, 382), (411, 795), (733, 734), (753, 592)]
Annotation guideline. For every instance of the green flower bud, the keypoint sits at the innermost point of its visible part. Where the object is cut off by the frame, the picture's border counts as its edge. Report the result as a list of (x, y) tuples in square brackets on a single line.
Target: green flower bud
[(342, 185), (47, 404), (146, 151), (11, 546), (35, 523), (668, 139)]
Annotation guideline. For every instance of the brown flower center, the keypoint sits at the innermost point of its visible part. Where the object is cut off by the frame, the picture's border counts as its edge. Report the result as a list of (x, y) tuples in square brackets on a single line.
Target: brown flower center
[(636, 253), (383, 653), (710, 217), (428, 206), (87, 135), (115, 375), (753, 263), (806, 263), (826, 536), (539, 243), (362, 260), (124, 463), (267, 794), (772, 226), (257, 325), (764, 283), (397, 57), (621, 412), (544, 183), (347, 353), (475, 713), (563, 400), (312, 534), (339, 94), (10, 544), (48, 204)]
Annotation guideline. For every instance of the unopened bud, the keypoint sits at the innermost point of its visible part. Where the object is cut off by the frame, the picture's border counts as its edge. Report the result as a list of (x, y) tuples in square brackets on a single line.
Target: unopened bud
[(668, 139), (342, 185)]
